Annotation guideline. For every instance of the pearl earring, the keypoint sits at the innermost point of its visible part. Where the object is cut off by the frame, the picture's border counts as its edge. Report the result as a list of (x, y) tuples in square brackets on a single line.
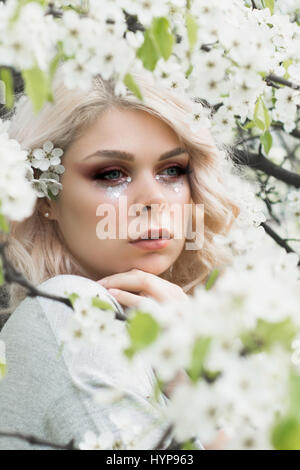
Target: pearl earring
[(46, 214)]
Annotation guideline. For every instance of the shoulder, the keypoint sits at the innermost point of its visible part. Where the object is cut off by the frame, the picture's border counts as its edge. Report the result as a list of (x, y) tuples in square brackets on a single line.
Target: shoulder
[(66, 284), (34, 312)]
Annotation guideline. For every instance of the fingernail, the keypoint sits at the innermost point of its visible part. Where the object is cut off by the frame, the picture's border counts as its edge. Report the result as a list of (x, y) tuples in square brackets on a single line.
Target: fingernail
[(113, 291), (103, 282)]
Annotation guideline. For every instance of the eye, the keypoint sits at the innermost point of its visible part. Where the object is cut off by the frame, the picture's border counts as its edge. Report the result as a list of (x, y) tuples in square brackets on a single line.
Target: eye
[(110, 176), (176, 171)]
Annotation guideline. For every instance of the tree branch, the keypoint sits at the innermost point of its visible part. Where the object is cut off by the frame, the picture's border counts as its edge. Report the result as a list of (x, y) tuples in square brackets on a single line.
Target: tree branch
[(259, 162), (282, 81), (294, 132), (12, 275), (280, 241), (35, 440)]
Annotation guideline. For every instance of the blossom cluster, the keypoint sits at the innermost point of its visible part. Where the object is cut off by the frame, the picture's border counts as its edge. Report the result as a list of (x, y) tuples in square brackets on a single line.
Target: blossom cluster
[(14, 187), (221, 72), (248, 324)]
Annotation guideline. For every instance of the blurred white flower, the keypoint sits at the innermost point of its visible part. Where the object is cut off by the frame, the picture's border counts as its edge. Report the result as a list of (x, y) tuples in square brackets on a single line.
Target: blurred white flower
[(105, 441)]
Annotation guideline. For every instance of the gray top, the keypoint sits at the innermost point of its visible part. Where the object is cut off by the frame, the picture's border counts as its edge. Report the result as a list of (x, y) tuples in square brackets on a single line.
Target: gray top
[(39, 394)]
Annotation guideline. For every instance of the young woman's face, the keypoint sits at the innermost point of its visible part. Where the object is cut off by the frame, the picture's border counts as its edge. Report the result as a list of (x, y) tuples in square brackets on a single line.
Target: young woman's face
[(92, 180)]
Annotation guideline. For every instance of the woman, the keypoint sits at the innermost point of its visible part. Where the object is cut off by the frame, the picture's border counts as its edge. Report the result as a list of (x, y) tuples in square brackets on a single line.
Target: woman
[(112, 146)]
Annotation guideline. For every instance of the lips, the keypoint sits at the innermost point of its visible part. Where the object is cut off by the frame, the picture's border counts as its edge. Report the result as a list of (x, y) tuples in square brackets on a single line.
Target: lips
[(154, 234)]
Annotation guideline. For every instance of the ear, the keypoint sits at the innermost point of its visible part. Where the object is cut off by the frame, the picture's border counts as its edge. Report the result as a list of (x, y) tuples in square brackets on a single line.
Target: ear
[(46, 206)]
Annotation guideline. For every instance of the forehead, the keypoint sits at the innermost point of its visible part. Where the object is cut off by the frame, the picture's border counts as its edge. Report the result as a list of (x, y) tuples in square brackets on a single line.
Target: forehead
[(132, 130)]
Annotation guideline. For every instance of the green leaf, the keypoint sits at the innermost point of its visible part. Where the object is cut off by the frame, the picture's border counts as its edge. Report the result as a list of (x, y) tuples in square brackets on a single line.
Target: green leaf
[(142, 329), (199, 352), (259, 116), (266, 115), (189, 71), (8, 87), (129, 352), (247, 126), (148, 52), (37, 87), (285, 434), (294, 395), (163, 37), (102, 304), (72, 297), (3, 369), (20, 5), (286, 64), (210, 375), (212, 279), (132, 85), (192, 30), (262, 117), (188, 445), (270, 4), (266, 334), (54, 64), (158, 389), (266, 140), (4, 225), (1, 273)]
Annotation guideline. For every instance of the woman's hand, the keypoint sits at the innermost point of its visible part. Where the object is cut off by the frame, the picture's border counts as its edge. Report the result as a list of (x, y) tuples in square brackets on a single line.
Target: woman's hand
[(130, 286)]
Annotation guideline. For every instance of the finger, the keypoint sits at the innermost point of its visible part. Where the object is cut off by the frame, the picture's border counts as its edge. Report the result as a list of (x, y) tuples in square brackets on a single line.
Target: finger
[(126, 299), (138, 281)]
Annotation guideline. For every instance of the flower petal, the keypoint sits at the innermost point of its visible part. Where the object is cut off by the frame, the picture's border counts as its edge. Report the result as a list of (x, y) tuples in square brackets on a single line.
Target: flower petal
[(54, 161), (38, 153), (48, 146), (57, 152)]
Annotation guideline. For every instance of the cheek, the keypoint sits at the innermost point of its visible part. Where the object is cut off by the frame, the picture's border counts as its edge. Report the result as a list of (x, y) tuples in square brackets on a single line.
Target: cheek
[(178, 191), (79, 211)]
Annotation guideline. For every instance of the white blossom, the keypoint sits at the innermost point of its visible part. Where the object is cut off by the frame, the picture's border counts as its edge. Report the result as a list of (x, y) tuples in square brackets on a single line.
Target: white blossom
[(105, 441), (16, 194)]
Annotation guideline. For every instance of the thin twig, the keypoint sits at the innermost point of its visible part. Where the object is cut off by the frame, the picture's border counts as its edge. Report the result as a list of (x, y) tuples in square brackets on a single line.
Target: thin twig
[(164, 437), (260, 162), (36, 441), (294, 133), (280, 241), (282, 81), (12, 275)]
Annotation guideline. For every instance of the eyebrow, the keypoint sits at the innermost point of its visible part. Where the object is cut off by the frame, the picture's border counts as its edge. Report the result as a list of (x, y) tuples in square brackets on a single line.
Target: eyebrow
[(130, 157)]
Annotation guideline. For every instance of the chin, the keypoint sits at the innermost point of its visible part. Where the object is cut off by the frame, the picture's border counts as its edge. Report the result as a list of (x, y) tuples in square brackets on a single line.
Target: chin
[(153, 263)]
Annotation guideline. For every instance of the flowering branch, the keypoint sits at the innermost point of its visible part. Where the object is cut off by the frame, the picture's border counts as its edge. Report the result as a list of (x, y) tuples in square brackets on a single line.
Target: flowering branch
[(259, 162), (164, 437), (281, 242), (294, 132), (12, 275), (282, 81)]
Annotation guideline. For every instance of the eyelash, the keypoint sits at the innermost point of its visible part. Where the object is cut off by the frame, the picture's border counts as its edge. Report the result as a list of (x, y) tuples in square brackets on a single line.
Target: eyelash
[(100, 176)]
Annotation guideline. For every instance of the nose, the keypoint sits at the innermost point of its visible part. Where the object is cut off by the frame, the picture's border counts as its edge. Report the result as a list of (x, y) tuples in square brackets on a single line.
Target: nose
[(149, 191)]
